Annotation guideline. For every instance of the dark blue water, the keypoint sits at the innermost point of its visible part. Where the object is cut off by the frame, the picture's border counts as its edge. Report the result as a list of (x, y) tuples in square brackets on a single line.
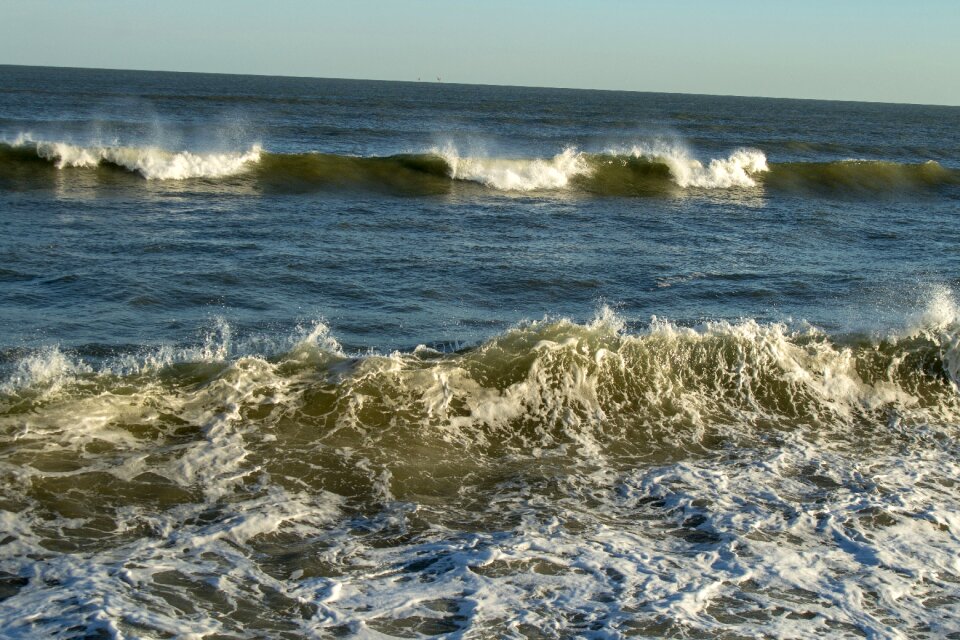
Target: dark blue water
[(291, 357), (89, 261)]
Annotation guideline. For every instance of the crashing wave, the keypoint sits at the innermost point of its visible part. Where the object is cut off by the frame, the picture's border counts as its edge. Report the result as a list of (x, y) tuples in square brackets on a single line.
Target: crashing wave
[(729, 478), (504, 174), (153, 163), (639, 170)]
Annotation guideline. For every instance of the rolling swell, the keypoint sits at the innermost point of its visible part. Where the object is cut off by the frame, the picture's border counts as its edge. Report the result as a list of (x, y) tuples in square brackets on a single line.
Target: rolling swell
[(412, 174), (860, 176), (639, 171)]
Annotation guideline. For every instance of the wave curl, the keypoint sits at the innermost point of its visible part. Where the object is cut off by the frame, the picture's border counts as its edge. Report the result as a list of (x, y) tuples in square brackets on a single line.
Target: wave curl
[(635, 171)]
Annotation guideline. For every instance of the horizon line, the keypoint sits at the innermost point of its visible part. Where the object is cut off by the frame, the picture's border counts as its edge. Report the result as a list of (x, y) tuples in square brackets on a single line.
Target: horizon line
[(477, 84)]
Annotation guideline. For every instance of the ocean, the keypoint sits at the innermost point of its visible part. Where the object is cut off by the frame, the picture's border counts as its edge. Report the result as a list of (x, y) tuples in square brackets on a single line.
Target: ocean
[(310, 358)]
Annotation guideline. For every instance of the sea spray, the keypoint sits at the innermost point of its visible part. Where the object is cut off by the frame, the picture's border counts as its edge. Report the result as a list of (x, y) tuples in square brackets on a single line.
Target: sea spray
[(740, 169), (387, 491), (152, 163), (637, 170), (517, 174), (184, 454)]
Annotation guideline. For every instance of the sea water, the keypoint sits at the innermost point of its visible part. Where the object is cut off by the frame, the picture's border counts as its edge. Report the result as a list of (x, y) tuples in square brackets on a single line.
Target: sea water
[(289, 357)]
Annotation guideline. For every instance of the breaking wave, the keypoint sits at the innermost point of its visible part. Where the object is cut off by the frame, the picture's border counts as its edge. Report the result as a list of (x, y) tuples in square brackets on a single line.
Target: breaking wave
[(152, 163), (665, 379), (658, 169), (728, 479)]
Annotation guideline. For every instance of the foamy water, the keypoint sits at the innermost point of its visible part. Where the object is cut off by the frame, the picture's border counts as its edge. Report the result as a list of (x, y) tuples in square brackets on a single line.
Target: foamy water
[(152, 163), (301, 358), (737, 170), (736, 474), (654, 168), (517, 175)]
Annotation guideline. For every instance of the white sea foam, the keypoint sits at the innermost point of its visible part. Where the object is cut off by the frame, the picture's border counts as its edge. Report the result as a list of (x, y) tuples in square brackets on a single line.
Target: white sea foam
[(152, 163), (699, 546), (571, 479), (46, 369), (517, 174), (940, 319), (736, 170), (939, 312)]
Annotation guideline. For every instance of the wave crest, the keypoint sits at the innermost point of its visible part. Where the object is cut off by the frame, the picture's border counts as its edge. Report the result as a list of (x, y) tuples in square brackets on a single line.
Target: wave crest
[(639, 170), (504, 174), (739, 169), (549, 382), (636, 169), (153, 163)]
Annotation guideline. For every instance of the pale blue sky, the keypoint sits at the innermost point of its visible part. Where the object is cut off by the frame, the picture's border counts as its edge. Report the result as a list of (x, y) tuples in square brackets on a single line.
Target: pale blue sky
[(882, 50)]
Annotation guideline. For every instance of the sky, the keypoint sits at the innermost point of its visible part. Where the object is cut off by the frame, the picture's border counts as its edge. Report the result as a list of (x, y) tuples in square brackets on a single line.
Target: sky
[(876, 50)]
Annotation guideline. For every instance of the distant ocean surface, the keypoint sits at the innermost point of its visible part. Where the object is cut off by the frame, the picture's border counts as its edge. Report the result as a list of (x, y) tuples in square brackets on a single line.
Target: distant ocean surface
[(297, 358)]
